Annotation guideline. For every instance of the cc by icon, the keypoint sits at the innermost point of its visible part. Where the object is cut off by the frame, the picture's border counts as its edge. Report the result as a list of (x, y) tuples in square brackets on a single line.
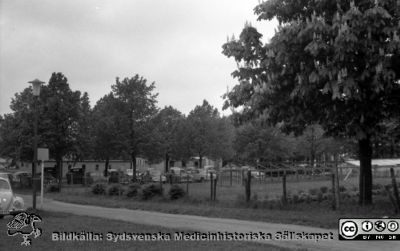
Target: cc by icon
[(349, 229)]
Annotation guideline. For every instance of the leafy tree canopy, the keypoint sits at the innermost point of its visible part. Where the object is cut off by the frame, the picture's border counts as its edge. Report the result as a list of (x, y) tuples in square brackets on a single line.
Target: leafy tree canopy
[(208, 134), (333, 63)]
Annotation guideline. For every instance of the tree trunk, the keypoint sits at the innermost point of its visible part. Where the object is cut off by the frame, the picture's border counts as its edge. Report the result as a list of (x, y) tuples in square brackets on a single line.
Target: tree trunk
[(392, 145), (365, 184), (106, 167), (166, 162), (59, 171), (133, 158), (200, 161), (312, 152)]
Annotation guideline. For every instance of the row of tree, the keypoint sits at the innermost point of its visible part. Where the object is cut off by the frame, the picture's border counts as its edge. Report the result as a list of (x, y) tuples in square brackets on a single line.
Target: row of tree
[(124, 124)]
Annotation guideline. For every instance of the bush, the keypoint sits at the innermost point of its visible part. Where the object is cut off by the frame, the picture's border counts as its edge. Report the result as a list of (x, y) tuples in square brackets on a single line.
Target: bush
[(99, 188), (150, 191), (133, 190), (53, 188), (342, 189), (324, 189), (115, 190), (176, 192)]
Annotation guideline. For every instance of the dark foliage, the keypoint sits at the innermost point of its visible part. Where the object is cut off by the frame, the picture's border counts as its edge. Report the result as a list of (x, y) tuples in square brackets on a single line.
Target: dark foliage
[(99, 188), (176, 192), (150, 191)]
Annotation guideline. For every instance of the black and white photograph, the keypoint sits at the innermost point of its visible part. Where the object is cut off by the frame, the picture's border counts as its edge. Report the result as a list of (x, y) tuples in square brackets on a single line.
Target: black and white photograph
[(200, 125)]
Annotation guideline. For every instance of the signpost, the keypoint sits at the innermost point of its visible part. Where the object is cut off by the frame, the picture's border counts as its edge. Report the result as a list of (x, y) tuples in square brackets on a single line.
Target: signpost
[(43, 155)]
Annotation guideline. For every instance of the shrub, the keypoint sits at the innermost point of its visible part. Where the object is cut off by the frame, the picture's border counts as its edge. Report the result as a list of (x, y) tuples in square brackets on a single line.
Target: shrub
[(99, 188), (133, 190), (342, 189), (324, 189), (115, 190), (150, 191), (176, 192)]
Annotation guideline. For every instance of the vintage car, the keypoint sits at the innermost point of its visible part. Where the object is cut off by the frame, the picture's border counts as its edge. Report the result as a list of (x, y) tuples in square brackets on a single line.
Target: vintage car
[(198, 175), (157, 176), (9, 203)]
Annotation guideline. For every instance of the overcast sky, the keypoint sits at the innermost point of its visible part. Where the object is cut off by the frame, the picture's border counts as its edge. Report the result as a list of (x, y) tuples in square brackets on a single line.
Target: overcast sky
[(175, 43)]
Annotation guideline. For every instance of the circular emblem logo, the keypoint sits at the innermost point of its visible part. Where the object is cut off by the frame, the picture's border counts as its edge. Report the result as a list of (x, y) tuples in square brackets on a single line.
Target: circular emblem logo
[(380, 226), (349, 229), (392, 226), (367, 226)]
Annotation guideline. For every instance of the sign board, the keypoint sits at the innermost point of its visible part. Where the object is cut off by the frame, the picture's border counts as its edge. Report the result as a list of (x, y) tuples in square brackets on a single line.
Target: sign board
[(43, 154)]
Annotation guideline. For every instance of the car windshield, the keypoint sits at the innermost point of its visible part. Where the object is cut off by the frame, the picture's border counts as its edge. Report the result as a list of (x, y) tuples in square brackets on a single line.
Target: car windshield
[(4, 185)]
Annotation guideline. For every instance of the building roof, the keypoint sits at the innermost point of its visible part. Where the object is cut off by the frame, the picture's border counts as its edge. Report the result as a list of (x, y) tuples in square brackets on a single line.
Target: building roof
[(377, 162)]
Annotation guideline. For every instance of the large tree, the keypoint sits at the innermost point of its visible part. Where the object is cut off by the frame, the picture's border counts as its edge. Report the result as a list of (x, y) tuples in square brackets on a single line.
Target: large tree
[(255, 142), (59, 119), (163, 139), (59, 115), (138, 106), (207, 134), (335, 63), (107, 130), (83, 146), (16, 128)]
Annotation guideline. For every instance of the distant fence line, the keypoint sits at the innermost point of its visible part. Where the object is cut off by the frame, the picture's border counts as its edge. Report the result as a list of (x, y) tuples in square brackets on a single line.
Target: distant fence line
[(297, 171)]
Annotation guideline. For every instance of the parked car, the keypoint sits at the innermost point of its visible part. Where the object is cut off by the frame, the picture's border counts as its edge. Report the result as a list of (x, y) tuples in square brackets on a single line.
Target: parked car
[(198, 175), (113, 176), (157, 175), (95, 177), (8, 176), (9, 203), (48, 178), (257, 174), (18, 175), (176, 170), (22, 179), (185, 177), (178, 174)]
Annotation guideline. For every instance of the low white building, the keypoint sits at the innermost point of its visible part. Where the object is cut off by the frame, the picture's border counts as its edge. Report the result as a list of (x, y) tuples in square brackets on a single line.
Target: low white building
[(380, 167)]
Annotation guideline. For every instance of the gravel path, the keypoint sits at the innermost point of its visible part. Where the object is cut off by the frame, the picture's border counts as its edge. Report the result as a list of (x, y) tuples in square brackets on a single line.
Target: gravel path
[(208, 224)]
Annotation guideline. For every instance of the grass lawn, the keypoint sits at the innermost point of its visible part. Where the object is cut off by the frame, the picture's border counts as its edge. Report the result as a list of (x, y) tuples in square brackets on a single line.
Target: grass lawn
[(230, 203), (61, 222)]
